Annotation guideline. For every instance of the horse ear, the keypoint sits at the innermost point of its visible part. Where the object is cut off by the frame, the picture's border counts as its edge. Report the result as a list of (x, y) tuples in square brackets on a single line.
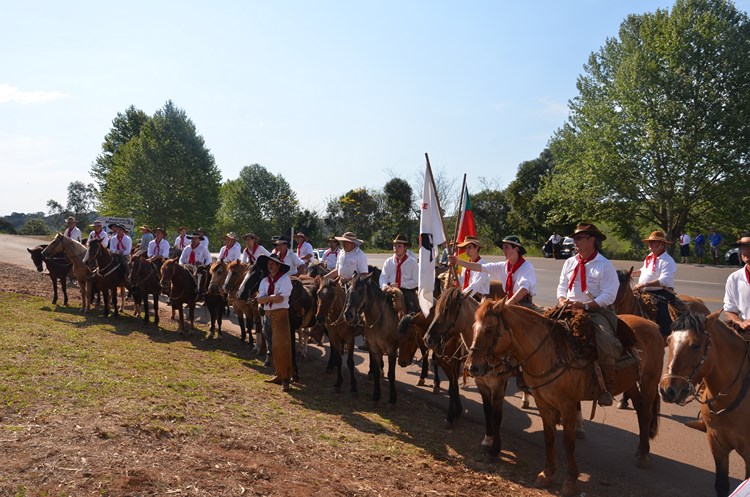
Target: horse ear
[(712, 318), (28, 250), (630, 273)]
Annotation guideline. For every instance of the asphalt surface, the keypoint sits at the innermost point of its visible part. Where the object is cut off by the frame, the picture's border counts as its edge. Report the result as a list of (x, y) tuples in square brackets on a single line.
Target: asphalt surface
[(681, 461)]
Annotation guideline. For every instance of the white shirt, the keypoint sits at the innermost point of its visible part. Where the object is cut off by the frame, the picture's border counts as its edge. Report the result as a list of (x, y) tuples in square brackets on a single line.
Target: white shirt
[(555, 239), (291, 260), (250, 256), (663, 271), (601, 281), (349, 262), (329, 258), (121, 246), (479, 282), (685, 239), (282, 287), (524, 277), (181, 242), (409, 273), (101, 236), (202, 255), (232, 254), (303, 250), (737, 294), (204, 242), (73, 233), (162, 249)]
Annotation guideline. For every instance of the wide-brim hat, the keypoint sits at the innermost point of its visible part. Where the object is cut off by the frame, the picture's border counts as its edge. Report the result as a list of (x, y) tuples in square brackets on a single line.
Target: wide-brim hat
[(163, 231), (200, 230), (332, 239), (231, 235), (282, 239), (248, 236), (657, 236), (182, 228), (470, 240), (70, 219), (195, 235), (296, 235), (262, 263), (145, 227), (96, 222), (349, 237), (743, 240), (401, 239), (589, 229), (114, 226), (512, 240)]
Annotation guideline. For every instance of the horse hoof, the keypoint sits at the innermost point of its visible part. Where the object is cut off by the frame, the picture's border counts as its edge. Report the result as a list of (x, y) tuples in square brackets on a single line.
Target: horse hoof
[(420, 383), (570, 489), (643, 462), (542, 481), (525, 404), (487, 441), (623, 404), (436, 389), (448, 425)]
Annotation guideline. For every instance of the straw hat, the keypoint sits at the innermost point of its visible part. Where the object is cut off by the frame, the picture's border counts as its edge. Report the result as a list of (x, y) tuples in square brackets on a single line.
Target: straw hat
[(332, 239), (401, 239), (145, 227), (248, 236), (231, 235), (70, 219), (469, 240), (589, 229), (350, 237), (163, 231), (657, 236)]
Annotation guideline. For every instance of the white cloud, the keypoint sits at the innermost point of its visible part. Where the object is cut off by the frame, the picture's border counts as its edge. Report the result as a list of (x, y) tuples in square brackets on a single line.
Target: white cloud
[(11, 94)]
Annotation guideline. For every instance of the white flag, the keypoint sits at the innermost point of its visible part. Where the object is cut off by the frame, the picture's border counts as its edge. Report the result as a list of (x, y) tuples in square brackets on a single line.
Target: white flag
[(430, 236)]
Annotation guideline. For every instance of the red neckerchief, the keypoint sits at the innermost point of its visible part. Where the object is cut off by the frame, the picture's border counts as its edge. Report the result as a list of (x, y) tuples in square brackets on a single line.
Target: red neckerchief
[(278, 252), (652, 258), (582, 266), (510, 271), (331, 252), (70, 230), (251, 255), (120, 245), (191, 259), (99, 235), (182, 242), (272, 285), (467, 274), (747, 275), (398, 270), (299, 250)]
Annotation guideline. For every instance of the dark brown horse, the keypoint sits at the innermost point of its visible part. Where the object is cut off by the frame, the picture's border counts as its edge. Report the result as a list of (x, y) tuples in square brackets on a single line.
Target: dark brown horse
[(214, 299), (247, 312), (365, 298), (179, 284), (707, 349), (109, 272), (143, 280), (58, 267), (411, 331), (559, 379)]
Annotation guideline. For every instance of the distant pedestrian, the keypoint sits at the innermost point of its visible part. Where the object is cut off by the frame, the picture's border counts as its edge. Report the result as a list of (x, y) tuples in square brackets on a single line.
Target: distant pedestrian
[(714, 242), (684, 247), (556, 241), (700, 245)]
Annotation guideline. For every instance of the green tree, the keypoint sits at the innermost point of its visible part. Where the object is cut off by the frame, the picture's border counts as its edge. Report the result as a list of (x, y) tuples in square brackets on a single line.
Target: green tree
[(355, 211), (165, 176), (490, 208), (34, 227), (309, 223), (125, 127), (257, 201), (6, 227), (397, 215), (660, 130)]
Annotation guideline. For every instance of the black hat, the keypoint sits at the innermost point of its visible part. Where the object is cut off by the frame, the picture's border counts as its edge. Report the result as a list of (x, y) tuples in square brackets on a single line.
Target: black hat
[(114, 226), (282, 239), (401, 239), (512, 240), (195, 235), (262, 263)]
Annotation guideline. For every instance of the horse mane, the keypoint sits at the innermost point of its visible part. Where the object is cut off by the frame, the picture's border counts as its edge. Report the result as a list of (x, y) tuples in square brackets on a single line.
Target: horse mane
[(215, 264), (450, 298), (235, 263), (624, 276), (487, 307), (403, 325), (690, 321)]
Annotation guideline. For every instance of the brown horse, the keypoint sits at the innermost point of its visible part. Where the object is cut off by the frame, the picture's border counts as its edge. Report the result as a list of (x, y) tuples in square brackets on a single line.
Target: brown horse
[(214, 299), (143, 280), (110, 273), (558, 379), (364, 297), (179, 284), (411, 330), (75, 252), (58, 267), (330, 314), (629, 302), (248, 315), (707, 349)]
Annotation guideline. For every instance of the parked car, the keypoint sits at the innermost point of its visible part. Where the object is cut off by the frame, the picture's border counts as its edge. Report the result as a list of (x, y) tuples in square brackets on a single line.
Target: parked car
[(319, 253), (567, 249), (732, 257)]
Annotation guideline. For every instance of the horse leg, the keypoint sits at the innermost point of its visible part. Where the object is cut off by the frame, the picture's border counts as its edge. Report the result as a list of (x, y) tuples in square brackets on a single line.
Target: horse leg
[(145, 306), (54, 288), (375, 370), (497, 400), (392, 359), (191, 313), (485, 392), (295, 369), (570, 485), (452, 397), (549, 422), (425, 365), (116, 311), (122, 299), (182, 317), (221, 315), (241, 323), (647, 407), (580, 431), (105, 291), (721, 463), (436, 369), (84, 300), (350, 365), (156, 308), (336, 351), (64, 286)]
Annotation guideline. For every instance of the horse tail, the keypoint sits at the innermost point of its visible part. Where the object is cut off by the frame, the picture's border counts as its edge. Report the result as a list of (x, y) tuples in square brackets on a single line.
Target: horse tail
[(653, 430)]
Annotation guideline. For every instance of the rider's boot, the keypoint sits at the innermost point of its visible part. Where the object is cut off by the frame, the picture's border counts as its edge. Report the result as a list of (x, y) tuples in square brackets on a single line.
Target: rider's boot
[(605, 398)]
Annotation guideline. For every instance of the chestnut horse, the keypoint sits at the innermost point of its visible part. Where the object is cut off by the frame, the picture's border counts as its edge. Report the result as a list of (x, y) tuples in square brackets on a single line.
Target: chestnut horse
[(58, 267), (178, 283), (628, 302), (411, 330), (364, 297), (75, 252), (559, 380), (143, 279), (214, 299), (248, 315), (110, 272), (707, 349)]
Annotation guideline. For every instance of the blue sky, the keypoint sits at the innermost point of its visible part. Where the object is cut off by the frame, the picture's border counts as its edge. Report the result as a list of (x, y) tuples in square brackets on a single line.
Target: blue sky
[(332, 95)]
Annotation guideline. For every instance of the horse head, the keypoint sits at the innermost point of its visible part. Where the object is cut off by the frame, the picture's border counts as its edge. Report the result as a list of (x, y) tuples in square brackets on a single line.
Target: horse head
[(235, 272), (55, 246), (491, 338), (167, 273), (93, 251), (326, 298), (689, 346), (251, 282), (217, 275), (36, 256), (624, 301), (357, 296), (409, 329), (447, 311)]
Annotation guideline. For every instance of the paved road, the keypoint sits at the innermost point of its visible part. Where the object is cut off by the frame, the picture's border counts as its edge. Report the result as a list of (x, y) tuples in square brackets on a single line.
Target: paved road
[(681, 461)]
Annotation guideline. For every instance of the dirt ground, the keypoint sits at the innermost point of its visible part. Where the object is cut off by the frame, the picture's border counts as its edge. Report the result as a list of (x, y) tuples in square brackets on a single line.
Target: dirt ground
[(56, 455)]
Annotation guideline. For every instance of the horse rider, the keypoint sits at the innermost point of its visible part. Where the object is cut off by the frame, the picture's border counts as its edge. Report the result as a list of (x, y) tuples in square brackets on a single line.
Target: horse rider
[(656, 278), (402, 271), (273, 295), (737, 289), (204, 240), (158, 248), (120, 244), (281, 247), (589, 281), (72, 231), (351, 260), (473, 281), (253, 249), (517, 275), (194, 256), (231, 250), (304, 249), (330, 255), (182, 240), (146, 237), (99, 234)]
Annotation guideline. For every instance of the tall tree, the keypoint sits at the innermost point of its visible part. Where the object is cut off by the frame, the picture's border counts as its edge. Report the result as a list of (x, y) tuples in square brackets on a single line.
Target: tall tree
[(355, 211), (490, 208), (125, 127), (165, 176), (258, 201), (397, 215), (660, 130)]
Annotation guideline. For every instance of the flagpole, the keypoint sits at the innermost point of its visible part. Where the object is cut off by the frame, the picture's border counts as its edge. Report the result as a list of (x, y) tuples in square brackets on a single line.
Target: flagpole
[(452, 274)]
